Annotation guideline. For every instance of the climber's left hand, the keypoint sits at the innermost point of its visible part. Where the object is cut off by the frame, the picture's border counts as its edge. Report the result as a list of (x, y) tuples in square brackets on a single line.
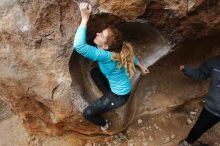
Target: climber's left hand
[(85, 10)]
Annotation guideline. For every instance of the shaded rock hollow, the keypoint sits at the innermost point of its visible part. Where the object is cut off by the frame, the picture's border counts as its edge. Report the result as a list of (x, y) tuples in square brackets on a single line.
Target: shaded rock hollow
[(48, 85)]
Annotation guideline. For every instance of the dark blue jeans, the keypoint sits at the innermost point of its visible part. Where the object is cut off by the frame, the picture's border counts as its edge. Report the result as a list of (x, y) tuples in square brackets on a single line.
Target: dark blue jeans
[(107, 102)]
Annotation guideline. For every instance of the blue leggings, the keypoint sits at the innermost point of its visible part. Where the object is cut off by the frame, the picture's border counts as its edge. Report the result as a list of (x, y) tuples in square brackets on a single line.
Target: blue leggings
[(107, 102)]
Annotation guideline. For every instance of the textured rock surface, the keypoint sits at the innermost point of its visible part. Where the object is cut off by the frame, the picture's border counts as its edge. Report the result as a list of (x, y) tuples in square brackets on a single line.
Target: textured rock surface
[(183, 19), (127, 9), (48, 86)]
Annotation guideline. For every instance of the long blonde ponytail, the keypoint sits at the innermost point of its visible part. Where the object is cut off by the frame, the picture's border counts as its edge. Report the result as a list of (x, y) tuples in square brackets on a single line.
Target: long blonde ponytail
[(125, 58)]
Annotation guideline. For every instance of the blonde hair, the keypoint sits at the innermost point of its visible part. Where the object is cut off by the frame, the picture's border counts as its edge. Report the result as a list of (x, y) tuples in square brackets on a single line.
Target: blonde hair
[(125, 59), (122, 51)]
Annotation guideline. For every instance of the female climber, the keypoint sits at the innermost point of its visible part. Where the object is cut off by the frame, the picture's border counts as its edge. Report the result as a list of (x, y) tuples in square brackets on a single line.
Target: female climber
[(116, 62)]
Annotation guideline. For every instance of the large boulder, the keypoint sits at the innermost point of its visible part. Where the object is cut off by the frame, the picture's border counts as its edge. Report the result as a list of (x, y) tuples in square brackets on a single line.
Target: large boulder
[(48, 85)]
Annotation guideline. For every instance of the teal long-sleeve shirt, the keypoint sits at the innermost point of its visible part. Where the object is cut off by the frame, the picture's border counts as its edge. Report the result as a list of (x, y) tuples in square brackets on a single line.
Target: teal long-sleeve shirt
[(119, 81)]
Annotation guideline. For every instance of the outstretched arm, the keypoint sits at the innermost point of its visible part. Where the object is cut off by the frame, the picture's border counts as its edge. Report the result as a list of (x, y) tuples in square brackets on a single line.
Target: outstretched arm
[(142, 67), (80, 44), (80, 37), (201, 73), (85, 10)]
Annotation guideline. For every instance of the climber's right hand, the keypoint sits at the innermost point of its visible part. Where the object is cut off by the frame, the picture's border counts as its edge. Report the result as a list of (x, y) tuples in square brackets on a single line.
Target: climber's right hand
[(85, 10)]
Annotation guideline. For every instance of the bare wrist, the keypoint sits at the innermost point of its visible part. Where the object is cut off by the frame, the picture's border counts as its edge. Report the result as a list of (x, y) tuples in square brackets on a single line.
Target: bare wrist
[(85, 19), (84, 22)]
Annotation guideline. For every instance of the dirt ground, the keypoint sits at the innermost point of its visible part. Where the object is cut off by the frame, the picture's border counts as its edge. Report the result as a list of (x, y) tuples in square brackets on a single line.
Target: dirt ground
[(165, 129)]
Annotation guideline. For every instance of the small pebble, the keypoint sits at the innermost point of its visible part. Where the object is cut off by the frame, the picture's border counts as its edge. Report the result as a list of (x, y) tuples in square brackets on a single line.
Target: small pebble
[(150, 138), (139, 121), (167, 140), (173, 136), (189, 121)]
